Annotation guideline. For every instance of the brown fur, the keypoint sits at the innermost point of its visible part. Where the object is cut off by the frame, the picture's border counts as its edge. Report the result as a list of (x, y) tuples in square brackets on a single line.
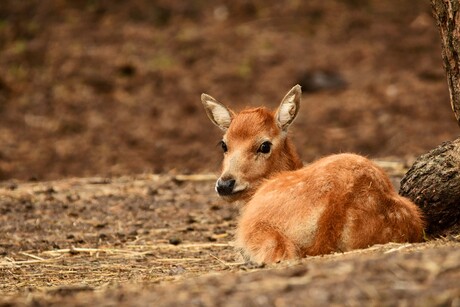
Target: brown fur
[(244, 136), (338, 203)]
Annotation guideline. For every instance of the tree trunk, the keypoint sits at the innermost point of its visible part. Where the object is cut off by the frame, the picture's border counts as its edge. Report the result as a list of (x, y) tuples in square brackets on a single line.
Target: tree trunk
[(433, 183), (447, 14)]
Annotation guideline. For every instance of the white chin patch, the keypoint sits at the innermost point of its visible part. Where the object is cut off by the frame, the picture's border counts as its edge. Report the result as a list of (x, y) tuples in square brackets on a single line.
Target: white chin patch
[(240, 188)]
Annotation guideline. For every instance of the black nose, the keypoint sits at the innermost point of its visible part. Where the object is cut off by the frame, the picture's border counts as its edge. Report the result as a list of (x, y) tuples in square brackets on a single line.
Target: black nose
[(225, 187)]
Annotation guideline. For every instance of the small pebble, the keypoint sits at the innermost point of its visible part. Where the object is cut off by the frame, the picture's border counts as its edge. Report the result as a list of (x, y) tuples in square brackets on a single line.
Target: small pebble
[(175, 241)]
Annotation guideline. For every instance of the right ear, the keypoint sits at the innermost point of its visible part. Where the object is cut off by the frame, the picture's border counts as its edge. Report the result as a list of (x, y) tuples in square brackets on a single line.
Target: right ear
[(219, 114), (289, 107)]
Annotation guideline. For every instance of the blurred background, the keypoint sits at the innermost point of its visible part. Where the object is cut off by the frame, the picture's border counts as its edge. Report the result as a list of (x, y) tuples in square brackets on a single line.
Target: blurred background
[(113, 87)]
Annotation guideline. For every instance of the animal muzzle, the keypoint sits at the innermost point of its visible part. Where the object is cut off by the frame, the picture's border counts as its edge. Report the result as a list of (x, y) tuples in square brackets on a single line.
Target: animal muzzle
[(225, 187)]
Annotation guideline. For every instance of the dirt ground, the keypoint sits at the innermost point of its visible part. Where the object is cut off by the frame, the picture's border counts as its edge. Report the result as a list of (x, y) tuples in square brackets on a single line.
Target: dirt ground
[(166, 241), (107, 159), (103, 88)]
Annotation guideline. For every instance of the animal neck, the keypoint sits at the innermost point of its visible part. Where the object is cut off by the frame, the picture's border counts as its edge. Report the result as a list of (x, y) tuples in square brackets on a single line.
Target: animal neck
[(289, 156)]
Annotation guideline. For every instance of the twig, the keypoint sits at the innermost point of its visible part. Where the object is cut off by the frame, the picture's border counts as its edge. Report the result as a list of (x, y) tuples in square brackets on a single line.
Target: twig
[(12, 262), (143, 248), (397, 248), (178, 259), (196, 177), (180, 246), (88, 250), (221, 261), (32, 256), (227, 264)]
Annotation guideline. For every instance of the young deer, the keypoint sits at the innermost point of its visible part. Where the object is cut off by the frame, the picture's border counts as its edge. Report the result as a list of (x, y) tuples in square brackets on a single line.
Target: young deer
[(338, 203)]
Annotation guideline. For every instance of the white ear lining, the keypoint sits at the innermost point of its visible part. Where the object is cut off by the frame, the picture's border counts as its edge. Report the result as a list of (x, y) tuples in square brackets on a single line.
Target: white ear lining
[(286, 111), (221, 115), (217, 112)]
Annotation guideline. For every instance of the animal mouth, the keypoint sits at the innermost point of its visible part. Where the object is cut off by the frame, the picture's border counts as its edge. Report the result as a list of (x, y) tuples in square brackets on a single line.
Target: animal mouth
[(232, 193), (229, 187), (237, 195)]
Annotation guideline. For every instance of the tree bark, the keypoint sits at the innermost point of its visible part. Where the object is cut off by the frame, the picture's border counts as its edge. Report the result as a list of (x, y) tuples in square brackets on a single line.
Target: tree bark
[(433, 183), (447, 14)]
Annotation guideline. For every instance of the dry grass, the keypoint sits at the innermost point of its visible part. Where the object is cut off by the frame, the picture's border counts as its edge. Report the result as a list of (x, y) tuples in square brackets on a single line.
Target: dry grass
[(151, 239)]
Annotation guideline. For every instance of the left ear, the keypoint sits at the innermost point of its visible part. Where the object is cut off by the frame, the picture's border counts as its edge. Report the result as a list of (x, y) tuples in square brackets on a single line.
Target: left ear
[(289, 107), (218, 113)]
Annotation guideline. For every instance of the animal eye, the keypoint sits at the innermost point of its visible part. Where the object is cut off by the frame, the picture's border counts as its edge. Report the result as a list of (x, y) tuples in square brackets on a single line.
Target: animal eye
[(224, 146), (265, 147)]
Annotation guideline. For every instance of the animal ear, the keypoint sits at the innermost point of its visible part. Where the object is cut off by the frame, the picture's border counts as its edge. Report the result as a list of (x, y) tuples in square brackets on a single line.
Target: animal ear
[(219, 114), (289, 107)]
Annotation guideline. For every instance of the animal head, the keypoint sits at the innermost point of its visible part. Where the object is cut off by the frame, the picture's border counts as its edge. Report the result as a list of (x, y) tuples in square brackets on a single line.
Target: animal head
[(255, 144)]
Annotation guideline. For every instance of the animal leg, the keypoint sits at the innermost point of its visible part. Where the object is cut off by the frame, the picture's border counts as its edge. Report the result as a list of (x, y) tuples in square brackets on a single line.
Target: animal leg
[(268, 245)]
